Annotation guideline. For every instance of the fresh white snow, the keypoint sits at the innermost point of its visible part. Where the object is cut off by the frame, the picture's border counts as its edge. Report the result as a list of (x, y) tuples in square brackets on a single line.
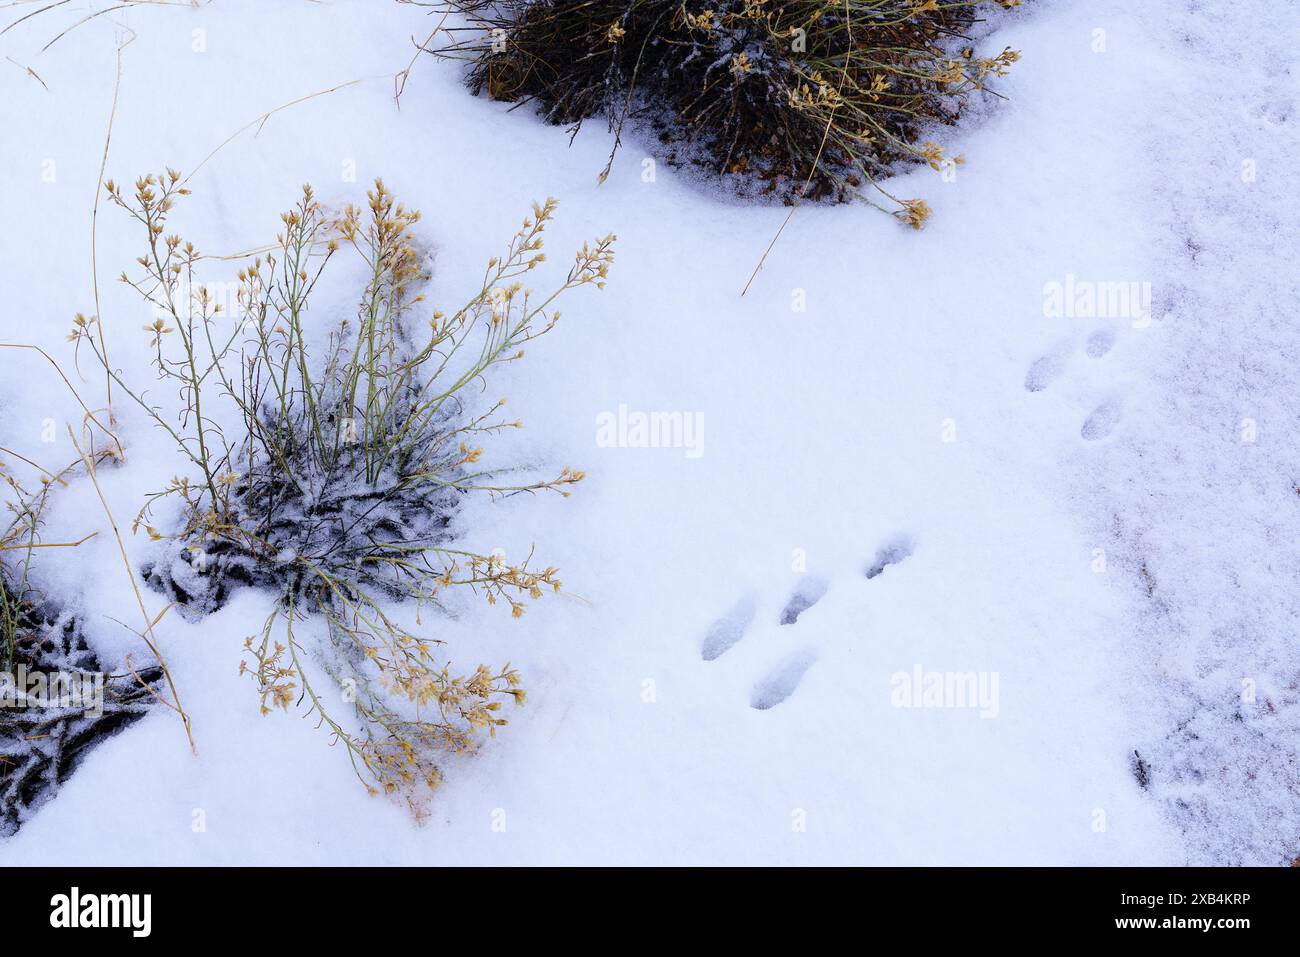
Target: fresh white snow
[(922, 408)]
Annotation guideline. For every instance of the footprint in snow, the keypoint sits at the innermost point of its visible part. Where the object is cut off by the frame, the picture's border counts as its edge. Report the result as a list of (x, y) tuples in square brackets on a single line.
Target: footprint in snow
[(891, 554), (1047, 369), (809, 593), (1100, 343), (728, 629), (1044, 372), (783, 679), (1102, 421)]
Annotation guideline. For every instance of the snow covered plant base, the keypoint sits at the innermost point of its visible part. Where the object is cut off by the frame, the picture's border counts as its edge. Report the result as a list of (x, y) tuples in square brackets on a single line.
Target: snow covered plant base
[(329, 478), (800, 98), (56, 703), (41, 745)]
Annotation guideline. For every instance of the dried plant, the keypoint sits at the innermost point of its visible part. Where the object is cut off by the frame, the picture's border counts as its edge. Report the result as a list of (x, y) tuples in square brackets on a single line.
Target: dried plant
[(41, 743), (802, 98), (26, 501), (24, 615), (19, 541), (331, 479)]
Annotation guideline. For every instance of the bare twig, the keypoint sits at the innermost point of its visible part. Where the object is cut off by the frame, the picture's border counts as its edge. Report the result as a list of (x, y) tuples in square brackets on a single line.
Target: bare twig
[(89, 416), (399, 81)]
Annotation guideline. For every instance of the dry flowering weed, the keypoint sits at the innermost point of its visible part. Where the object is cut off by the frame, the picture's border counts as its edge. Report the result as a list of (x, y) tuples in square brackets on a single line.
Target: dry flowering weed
[(329, 474), (798, 99)]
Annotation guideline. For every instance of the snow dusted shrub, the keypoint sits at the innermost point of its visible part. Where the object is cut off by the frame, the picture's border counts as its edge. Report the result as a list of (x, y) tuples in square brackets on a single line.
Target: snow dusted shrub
[(794, 98), (41, 744), (329, 474), (21, 614), (48, 721)]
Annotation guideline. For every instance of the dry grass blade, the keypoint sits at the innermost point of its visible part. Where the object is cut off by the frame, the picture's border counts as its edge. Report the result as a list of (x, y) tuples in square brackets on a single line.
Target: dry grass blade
[(261, 120), (94, 219), (399, 81), (148, 634), (34, 13), (88, 415), (30, 72)]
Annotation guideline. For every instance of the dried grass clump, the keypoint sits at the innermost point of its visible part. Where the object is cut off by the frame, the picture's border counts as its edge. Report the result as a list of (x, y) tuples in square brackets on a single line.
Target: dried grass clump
[(801, 98), (329, 474)]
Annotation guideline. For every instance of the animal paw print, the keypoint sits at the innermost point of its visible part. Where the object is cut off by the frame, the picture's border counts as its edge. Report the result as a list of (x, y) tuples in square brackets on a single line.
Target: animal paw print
[(782, 679), (809, 593), (1101, 421)]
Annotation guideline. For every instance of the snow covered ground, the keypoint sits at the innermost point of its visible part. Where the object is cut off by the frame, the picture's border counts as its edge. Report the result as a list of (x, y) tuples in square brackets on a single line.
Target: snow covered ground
[(1093, 514)]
